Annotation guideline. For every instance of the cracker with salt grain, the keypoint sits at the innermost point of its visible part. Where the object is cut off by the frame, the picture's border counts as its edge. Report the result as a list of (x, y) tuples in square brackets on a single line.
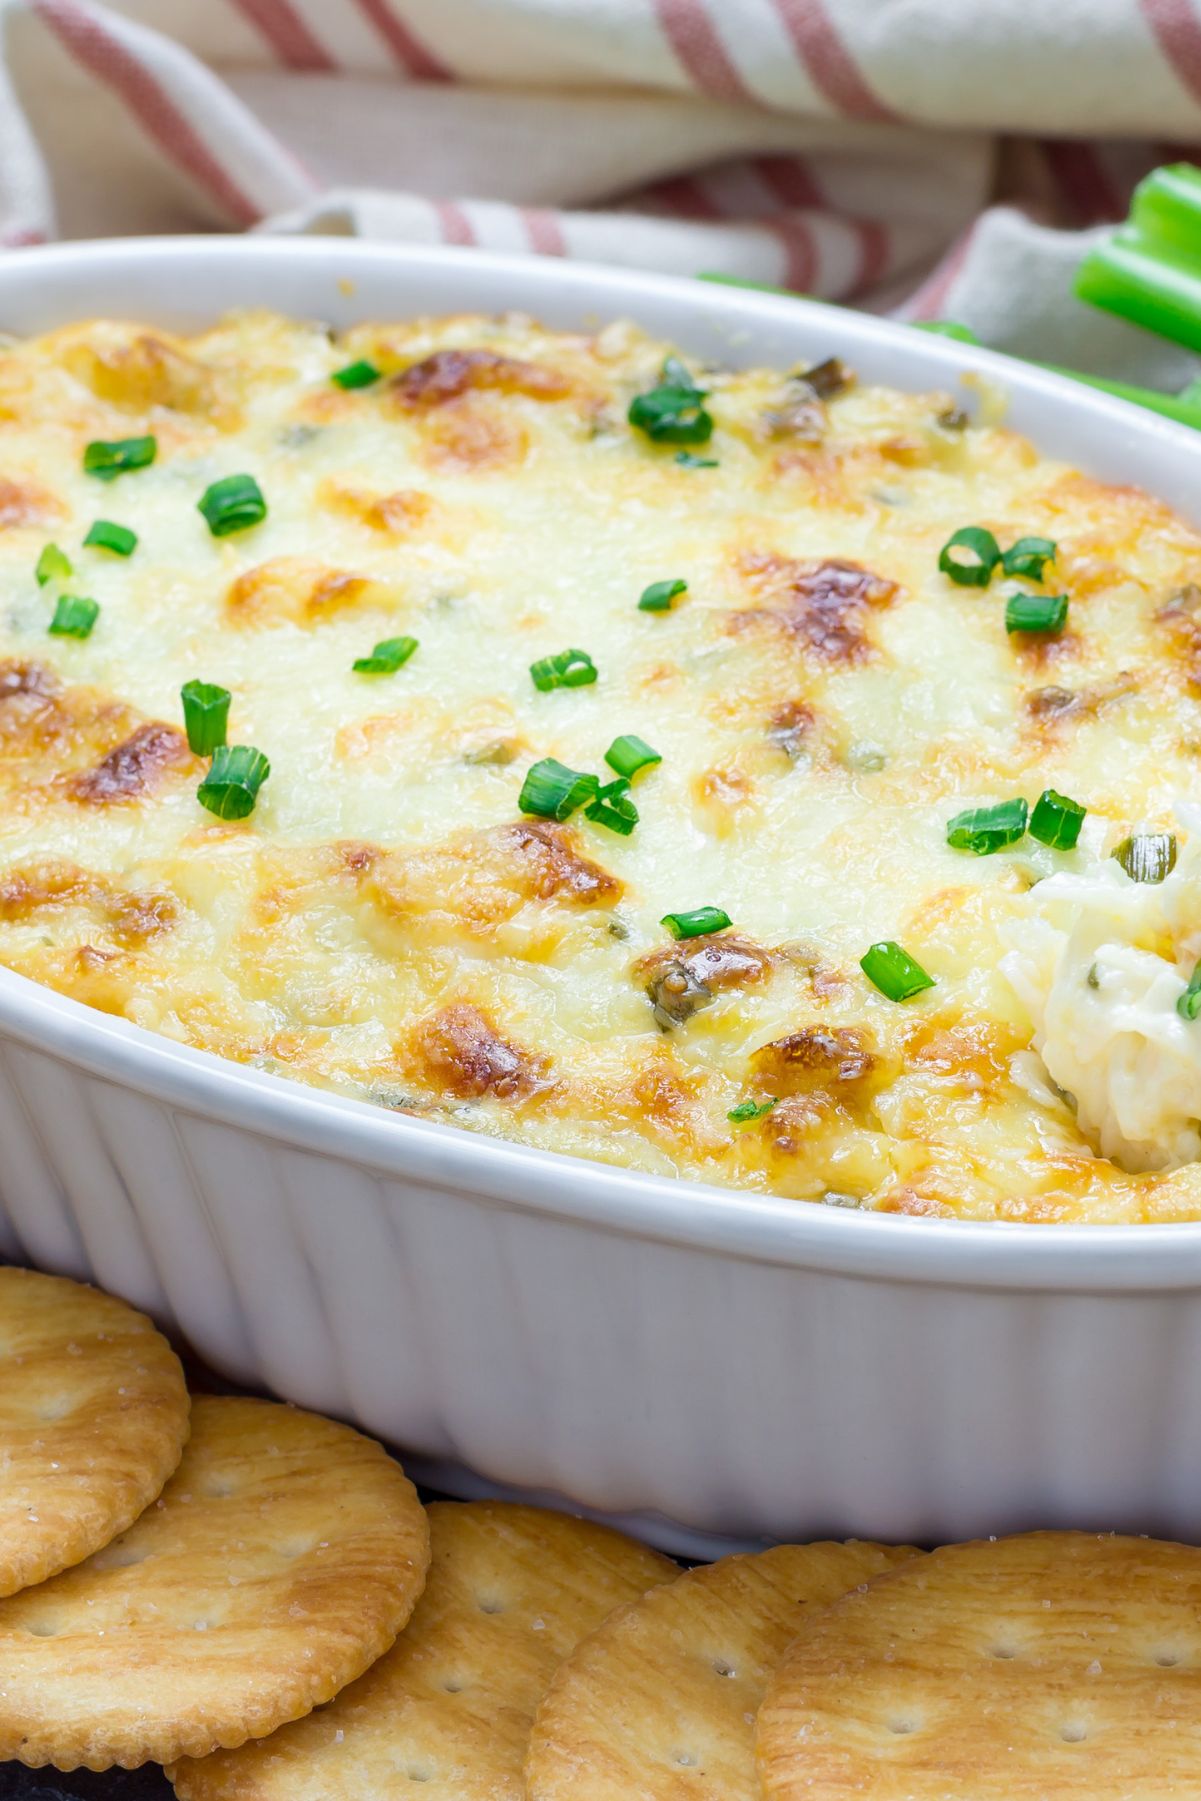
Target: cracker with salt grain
[(93, 1418), (446, 1714), (660, 1701), (1054, 1665), (281, 1559)]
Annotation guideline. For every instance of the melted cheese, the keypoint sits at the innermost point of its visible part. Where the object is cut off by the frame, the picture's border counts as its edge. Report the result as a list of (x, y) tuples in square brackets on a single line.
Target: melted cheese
[(386, 923)]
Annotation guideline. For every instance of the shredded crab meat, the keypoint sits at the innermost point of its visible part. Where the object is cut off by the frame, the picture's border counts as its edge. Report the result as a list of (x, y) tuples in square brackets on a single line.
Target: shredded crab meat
[(1099, 962)]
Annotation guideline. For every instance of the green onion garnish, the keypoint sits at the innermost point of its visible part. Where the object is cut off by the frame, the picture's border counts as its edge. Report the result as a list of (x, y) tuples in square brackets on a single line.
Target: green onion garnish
[(356, 375), (568, 669), (205, 715), (107, 459), (894, 972), (1056, 820), (628, 754), (1028, 558), (969, 556), (231, 787), (673, 412), (54, 565), (232, 505), (987, 829), (74, 616), (1147, 856), (748, 1110), (1188, 1004), (660, 596), (614, 808), (687, 460), (552, 791), (1036, 612), (387, 657), (108, 536), (697, 924)]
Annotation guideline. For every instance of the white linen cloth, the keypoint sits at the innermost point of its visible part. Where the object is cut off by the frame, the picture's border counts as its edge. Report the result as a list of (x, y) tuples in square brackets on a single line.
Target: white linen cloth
[(943, 158)]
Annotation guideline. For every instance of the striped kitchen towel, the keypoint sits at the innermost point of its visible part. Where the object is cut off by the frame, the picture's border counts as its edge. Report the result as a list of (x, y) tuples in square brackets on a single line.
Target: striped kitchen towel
[(934, 157)]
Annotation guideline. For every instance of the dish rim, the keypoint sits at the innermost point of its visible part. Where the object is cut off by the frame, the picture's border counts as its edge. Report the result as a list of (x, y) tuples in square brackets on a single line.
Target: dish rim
[(744, 1224)]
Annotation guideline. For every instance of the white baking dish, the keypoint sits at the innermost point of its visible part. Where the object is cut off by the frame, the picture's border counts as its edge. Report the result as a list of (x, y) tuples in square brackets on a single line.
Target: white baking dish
[(731, 1365)]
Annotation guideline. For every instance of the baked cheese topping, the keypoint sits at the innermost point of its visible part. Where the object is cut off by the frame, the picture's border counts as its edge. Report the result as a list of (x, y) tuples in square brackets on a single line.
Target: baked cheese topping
[(373, 894)]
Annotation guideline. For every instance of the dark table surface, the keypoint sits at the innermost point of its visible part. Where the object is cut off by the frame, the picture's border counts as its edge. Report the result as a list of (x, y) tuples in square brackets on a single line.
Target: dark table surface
[(17, 1784)]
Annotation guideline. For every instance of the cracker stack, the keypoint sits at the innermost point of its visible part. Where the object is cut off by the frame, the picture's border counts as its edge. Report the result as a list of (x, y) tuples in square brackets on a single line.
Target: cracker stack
[(255, 1606)]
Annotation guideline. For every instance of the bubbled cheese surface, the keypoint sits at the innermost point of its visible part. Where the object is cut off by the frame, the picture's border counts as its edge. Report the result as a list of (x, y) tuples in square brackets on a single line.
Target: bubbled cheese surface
[(823, 699)]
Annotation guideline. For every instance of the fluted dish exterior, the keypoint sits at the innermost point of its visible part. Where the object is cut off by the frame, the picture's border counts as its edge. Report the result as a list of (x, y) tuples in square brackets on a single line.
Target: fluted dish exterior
[(717, 1366)]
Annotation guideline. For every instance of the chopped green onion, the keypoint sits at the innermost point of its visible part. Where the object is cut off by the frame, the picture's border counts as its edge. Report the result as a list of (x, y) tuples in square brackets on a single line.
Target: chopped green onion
[(614, 808), (567, 669), (748, 1110), (1188, 1004), (356, 375), (54, 565), (947, 328), (387, 657), (673, 412), (979, 554), (659, 596), (687, 460), (894, 972), (1036, 612), (1056, 820), (628, 754), (108, 536), (1029, 557), (231, 787), (1147, 856), (552, 791), (988, 829), (107, 459), (205, 715), (74, 616), (232, 505), (697, 924)]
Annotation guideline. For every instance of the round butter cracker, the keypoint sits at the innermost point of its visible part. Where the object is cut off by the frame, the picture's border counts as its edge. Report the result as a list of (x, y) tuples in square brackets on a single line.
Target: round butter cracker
[(93, 1418), (660, 1701), (446, 1714), (1056, 1665), (280, 1561)]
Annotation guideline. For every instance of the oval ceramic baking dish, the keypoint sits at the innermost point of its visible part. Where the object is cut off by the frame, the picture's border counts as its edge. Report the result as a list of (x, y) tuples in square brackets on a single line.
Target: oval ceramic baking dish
[(717, 1365)]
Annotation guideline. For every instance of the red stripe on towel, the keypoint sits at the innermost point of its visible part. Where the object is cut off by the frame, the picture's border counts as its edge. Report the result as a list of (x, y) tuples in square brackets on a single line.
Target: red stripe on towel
[(699, 50), (829, 64), (96, 50), (288, 34), (456, 226), (543, 230), (414, 57)]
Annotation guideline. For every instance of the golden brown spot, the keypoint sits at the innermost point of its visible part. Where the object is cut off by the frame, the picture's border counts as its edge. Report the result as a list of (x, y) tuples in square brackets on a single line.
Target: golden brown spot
[(719, 795), (682, 979), (397, 513), (472, 437), (817, 1057), (823, 606), (23, 502), (552, 867), (975, 1055), (790, 725), (448, 374), (300, 590), (136, 370), (1040, 648), (52, 883), (474, 885), (461, 1053), (132, 768), (358, 858)]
